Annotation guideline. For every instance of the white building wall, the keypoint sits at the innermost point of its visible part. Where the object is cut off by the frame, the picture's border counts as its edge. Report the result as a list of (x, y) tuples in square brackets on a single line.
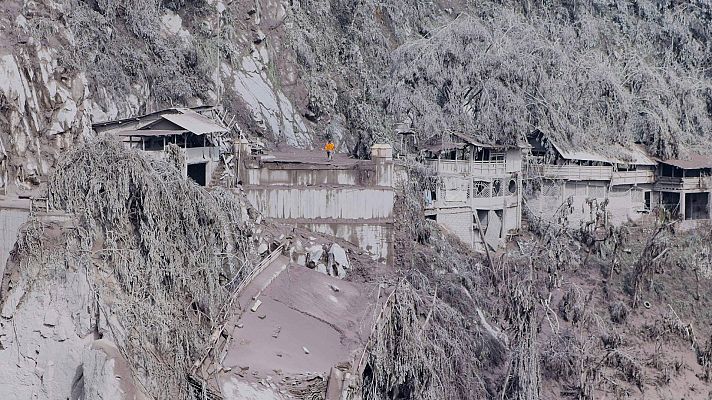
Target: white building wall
[(323, 202), (625, 203), (302, 177)]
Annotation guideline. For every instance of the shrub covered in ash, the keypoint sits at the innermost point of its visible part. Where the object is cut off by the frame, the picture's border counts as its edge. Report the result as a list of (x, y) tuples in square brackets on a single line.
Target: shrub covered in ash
[(571, 306), (560, 356), (165, 252), (618, 312), (587, 73)]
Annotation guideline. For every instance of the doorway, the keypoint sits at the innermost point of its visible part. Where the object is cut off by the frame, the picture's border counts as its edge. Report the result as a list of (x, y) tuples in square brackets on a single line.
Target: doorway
[(198, 173)]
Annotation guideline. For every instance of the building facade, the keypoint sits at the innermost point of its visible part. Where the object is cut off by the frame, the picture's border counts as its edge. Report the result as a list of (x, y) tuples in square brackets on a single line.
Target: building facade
[(474, 189), (347, 198), (192, 130), (622, 186), (684, 188)]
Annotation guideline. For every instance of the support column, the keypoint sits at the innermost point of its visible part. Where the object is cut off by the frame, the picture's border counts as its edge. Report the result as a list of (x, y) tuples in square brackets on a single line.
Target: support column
[(682, 205)]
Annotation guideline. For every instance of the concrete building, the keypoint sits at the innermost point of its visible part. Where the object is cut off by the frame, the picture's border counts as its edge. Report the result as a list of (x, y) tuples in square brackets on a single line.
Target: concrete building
[(190, 129), (347, 198), (556, 174), (475, 189), (684, 187)]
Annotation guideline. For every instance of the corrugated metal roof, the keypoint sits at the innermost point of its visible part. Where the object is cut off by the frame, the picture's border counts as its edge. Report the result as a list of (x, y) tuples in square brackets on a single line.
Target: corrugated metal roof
[(624, 155), (694, 162), (579, 155), (469, 139), (151, 132), (152, 114), (637, 155), (194, 122), (438, 147)]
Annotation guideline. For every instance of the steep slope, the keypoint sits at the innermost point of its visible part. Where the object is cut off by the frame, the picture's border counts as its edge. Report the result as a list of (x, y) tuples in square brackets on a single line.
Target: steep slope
[(137, 265), (585, 72)]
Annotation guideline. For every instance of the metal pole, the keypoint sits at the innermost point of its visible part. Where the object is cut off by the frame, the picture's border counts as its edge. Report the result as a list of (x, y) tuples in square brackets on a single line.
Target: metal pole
[(239, 158)]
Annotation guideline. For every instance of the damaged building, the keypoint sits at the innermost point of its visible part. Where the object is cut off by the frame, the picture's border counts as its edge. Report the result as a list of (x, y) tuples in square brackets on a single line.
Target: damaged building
[(347, 198), (621, 184), (474, 189), (191, 129), (683, 188)]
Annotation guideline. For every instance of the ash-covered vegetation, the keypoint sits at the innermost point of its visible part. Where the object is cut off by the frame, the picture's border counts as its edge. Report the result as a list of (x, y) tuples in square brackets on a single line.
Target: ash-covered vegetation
[(119, 43), (588, 73), (562, 313), (162, 255)]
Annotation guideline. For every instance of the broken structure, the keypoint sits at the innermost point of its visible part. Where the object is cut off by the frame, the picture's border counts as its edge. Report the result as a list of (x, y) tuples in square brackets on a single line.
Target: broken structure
[(347, 198), (475, 189), (295, 332), (189, 129), (555, 174), (684, 187)]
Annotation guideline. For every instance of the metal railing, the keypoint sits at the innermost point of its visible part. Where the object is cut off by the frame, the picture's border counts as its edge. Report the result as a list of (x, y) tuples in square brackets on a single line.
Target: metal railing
[(198, 389), (632, 177), (571, 172), (676, 183), (467, 167)]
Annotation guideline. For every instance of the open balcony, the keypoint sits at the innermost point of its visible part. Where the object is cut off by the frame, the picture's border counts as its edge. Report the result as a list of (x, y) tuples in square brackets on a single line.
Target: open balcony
[(571, 172), (482, 169)]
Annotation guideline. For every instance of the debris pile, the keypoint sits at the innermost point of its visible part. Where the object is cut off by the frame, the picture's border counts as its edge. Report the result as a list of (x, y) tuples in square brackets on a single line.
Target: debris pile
[(328, 259)]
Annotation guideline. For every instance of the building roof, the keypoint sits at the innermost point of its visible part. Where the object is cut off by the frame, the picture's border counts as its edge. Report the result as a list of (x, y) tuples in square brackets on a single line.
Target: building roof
[(636, 155), (438, 147), (470, 139), (194, 122), (151, 132), (580, 154), (619, 154), (185, 119), (694, 162), (152, 115)]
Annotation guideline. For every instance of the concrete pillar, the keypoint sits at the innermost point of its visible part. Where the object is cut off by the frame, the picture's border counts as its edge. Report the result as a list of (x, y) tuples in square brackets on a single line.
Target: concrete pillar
[(382, 155), (682, 205), (240, 150)]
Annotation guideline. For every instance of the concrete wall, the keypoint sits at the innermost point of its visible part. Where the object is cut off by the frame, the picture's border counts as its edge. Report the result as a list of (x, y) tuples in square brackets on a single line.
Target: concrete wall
[(10, 222), (457, 221), (625, 203), (366, 173), (372, 236), (352, 201), (322, 202), (301, 177)]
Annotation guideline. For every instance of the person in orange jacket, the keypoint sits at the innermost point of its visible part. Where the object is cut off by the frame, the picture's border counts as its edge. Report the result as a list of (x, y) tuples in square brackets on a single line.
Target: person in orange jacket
[(329, 147)]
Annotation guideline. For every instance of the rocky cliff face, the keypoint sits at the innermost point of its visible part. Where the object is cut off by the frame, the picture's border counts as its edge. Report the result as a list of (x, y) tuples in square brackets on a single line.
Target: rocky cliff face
[(298, 71), (65, 64), (44, 108)]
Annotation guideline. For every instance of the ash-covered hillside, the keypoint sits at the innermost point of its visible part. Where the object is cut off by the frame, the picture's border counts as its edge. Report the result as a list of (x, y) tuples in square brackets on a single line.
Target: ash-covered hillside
[(132, 271), (297, 71)]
